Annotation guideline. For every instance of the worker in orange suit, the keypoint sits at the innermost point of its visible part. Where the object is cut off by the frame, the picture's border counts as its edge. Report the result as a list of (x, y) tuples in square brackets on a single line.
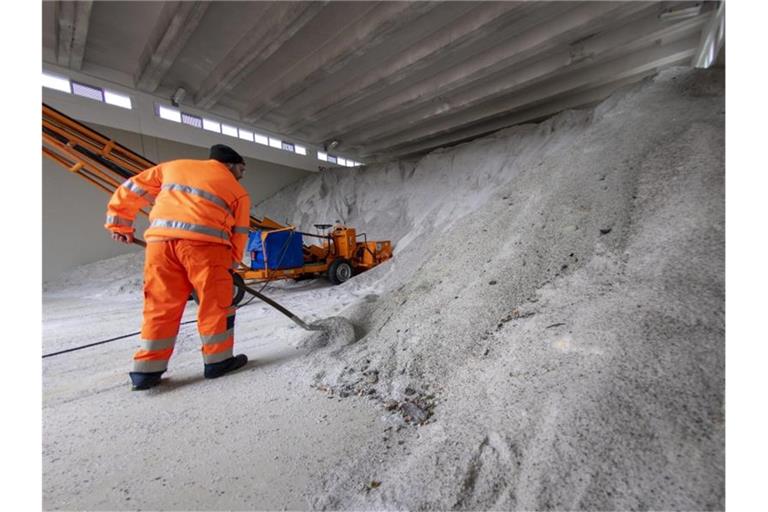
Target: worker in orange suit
[(198, 230)]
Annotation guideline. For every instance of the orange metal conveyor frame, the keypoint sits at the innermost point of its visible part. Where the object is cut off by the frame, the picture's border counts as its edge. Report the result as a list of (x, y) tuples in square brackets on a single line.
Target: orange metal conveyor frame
[(99, 160)]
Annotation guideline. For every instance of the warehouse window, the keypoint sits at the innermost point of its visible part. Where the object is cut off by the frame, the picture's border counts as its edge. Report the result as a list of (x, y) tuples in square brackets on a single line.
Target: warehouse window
[(169, 114), (118, 100), (87, 91), (246, 135), (172, 114), (62, 84), (339, 160), (191, 120), (56, 82), (229, 130), (211, 126)]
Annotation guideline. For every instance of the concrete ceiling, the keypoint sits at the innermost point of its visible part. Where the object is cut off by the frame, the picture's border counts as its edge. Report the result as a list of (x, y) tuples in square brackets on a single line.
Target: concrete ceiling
[(385, 79)]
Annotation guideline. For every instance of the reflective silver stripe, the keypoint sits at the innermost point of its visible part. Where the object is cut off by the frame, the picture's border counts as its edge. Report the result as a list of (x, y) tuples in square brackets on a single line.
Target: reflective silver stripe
[(217, 357), (158, 344), (154, 365), (217, 338), (133, 187), (119, 221), (186, 226), (199, 192), (241, 230)]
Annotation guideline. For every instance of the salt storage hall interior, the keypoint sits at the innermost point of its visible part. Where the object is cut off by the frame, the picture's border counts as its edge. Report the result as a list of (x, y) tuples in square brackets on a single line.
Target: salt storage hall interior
[(549, 331)]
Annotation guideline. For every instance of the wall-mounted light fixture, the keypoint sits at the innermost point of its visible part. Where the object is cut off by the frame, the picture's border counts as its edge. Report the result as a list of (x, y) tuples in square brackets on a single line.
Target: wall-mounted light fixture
[(178, 96)]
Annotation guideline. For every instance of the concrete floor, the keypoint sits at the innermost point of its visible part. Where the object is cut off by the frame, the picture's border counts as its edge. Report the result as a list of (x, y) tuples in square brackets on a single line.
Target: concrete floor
[(256, 439)]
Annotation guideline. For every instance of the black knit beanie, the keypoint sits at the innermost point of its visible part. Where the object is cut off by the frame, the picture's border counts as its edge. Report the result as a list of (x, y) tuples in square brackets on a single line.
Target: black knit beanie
[(225, 154)]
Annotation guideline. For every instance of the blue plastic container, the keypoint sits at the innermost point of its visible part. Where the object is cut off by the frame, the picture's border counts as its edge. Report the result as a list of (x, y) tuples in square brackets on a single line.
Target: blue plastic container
[(275, 249)]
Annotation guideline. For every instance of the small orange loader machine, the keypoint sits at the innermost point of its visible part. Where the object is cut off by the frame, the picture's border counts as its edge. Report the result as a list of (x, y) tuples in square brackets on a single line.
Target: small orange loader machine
[(280, 253), (277, 251)]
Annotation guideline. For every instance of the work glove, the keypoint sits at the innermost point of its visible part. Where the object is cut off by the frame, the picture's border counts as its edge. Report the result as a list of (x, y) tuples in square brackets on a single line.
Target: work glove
[(126, 238)]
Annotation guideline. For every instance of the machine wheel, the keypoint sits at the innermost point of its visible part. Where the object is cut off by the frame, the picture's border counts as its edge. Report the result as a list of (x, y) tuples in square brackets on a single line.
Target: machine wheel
[(339, 271), (238, 290)]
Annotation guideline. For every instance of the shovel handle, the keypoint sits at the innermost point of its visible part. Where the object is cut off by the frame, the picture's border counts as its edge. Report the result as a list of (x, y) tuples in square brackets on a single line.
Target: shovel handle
[(298, 321)]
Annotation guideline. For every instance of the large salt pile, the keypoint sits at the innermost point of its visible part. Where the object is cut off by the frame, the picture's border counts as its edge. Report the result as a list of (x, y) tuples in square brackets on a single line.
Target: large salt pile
[(552, 324)]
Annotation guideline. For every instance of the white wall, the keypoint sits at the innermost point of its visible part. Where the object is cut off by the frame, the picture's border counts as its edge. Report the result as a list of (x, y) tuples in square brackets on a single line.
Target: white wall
[(73, 209)]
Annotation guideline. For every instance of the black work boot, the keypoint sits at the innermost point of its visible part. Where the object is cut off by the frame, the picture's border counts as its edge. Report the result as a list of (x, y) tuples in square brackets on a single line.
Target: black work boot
[(145, 380), (215, 370)]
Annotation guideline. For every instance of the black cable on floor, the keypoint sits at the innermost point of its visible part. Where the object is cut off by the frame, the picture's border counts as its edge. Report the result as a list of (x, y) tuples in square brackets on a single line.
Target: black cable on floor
[(122, 337), (103, 341)]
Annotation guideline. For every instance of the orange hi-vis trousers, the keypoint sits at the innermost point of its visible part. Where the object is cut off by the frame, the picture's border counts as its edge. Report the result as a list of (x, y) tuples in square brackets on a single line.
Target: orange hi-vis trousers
[(172, 268)]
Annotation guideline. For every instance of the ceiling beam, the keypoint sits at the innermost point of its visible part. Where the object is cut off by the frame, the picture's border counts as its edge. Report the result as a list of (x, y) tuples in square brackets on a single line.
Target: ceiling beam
[(168, 39), (712, 39), (73, 19), (572, 100), (481, 23), (580, 20), (280, 23), (621, 40), (625, 65), (368, 32)]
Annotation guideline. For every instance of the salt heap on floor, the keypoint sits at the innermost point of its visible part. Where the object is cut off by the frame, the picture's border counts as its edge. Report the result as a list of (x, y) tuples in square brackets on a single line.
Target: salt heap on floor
[(556, 303)]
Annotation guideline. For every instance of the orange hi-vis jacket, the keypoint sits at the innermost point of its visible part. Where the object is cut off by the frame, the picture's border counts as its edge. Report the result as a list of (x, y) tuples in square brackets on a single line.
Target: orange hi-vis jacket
[(193, 200)]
